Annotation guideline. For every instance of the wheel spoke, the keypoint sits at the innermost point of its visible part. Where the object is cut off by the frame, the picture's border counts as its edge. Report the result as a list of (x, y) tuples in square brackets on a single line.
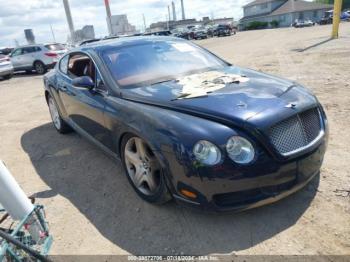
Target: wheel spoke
[(54, 113), (139, 177), (142, 166), (151, 181), (140, 147), (132, 157)]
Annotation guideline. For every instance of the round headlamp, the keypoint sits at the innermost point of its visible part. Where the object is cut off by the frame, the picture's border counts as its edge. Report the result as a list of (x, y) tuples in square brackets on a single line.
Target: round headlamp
[(206, 152), (240, 150)]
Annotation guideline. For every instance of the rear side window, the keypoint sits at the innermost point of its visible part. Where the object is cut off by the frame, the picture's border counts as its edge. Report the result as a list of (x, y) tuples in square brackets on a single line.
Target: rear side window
[(64, 64), (30, 49), (27, 50)]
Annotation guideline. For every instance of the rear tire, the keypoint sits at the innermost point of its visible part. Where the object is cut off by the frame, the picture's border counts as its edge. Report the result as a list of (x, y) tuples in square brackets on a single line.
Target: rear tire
[(60, 125), (40, 68), (143, 170)]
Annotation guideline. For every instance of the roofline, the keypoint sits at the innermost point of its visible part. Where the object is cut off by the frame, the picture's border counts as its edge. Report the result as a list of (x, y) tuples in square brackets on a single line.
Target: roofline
[(123, 40), (21, 46), (251, 3), (269, 15)]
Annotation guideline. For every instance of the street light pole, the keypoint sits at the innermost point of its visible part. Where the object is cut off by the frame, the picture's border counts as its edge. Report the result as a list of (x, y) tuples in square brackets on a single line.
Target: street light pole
[(69, 20), (144, 22), (53, 34), (336, 18), (108, 18)]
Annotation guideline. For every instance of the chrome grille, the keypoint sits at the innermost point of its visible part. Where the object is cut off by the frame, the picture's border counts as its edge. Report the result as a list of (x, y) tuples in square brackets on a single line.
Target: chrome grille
[(296, 132)]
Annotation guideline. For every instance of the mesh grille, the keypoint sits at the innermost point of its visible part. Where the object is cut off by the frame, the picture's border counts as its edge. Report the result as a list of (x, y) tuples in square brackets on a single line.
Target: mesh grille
[(296, 132)]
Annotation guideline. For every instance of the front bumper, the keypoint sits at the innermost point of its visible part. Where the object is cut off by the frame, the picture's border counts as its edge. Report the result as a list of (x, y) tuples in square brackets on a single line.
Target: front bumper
[(253, 190)]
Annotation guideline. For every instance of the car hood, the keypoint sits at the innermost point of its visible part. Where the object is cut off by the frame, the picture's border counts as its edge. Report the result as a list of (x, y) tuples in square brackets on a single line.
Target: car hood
[(261, 94)]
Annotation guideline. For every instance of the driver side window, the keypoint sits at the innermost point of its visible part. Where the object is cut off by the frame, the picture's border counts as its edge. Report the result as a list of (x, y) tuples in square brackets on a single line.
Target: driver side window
[(81, 65)]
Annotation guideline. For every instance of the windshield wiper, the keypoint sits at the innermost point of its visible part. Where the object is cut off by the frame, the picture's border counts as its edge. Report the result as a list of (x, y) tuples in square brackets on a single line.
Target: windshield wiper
[(162, 81)]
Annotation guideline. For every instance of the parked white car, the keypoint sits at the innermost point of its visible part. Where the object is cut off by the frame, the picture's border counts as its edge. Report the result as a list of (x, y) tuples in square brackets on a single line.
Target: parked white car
[(36, 57), (6, 68)]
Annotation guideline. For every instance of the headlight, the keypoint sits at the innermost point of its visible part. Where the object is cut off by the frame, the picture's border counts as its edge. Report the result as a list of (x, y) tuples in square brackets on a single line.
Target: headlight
[(207, 153), (240, 150)]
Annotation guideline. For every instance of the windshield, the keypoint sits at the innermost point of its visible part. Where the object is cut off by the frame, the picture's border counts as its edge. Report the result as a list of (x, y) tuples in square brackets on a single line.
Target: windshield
[(151, 62)]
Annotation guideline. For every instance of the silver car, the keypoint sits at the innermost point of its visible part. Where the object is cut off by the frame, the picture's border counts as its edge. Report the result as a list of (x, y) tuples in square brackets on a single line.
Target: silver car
[(6, 68), (36, 57)]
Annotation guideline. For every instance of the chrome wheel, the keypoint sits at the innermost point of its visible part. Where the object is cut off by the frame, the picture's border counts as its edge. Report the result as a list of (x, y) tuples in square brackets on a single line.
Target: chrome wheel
[(55, 116), (39, 68), (142, 166)]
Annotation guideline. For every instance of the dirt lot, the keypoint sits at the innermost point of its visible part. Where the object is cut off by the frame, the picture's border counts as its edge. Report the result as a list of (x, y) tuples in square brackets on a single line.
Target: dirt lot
[(93, 210)]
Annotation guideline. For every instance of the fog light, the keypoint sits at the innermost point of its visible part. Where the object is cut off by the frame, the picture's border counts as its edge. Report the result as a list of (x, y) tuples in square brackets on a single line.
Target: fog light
[(188, 193)]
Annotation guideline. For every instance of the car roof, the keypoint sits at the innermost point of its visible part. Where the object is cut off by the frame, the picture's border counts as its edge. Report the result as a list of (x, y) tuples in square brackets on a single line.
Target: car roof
[(23, 46), (124, 41)]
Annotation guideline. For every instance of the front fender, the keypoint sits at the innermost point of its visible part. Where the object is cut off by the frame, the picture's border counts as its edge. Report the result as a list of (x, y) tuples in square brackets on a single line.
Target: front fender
[(170, 134)]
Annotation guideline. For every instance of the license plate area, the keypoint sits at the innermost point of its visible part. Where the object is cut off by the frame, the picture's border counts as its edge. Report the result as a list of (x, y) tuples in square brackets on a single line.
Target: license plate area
[(311, 164)]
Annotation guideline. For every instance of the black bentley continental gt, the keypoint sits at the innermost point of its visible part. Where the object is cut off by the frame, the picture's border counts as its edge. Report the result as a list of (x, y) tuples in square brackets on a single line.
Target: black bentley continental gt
[(187, 125)]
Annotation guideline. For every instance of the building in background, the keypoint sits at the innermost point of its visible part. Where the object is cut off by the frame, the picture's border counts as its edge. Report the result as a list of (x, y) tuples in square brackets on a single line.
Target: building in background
[(281, 12), (121, 26), (29, 35), (187, 23), (86, 33)]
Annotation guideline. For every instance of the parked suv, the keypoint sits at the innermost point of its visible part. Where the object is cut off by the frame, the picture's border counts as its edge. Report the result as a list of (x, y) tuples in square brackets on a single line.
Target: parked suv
[(223, 30), (36, 57)]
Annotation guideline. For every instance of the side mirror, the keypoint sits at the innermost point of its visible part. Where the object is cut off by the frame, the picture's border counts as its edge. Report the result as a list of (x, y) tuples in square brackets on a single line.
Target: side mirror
[(83, 81)]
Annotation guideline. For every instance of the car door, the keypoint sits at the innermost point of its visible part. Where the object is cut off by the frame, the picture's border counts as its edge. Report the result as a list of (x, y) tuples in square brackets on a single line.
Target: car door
[(27, 57), (16, 58), (84, 107)]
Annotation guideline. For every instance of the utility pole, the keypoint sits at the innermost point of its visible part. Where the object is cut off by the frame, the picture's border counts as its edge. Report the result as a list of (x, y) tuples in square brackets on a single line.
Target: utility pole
[(336, 18), (144, 21), (108, 18), (69, 20), (174, 11), (183, 10), (53, 35), (169, 12), (167, 21)]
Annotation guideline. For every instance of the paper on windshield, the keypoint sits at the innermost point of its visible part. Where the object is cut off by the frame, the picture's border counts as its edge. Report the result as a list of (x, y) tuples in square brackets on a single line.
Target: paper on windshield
[(183, 47), (201, 84)]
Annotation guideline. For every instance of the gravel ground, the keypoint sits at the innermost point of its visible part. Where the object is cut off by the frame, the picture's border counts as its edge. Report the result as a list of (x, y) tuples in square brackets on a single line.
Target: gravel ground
[(93, 210)]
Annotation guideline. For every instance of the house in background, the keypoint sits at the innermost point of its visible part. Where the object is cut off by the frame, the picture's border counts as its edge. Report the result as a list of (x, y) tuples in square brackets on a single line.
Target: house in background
[(285, 12)]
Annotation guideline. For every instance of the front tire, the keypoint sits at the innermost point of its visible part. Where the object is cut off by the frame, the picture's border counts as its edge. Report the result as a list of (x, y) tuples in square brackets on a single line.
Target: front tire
[(40, 68), (60, 125), (144, 170)]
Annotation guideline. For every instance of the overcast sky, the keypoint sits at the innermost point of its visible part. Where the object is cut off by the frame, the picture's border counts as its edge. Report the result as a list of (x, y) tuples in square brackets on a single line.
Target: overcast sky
[(39, 14)]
